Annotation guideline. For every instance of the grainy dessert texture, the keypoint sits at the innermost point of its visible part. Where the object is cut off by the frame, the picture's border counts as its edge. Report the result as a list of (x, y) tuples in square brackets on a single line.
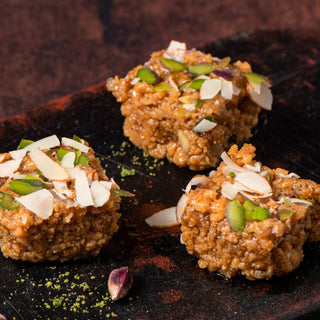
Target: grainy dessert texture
[(56, 203), (188, 106), (245, 218)]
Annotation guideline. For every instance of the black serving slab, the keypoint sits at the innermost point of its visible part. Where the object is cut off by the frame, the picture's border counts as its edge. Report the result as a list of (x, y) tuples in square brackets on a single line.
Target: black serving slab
[(168, 284)]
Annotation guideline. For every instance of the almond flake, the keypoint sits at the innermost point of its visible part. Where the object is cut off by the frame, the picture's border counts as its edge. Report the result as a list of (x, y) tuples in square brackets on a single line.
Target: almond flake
[(210, 88), (163, 219), (9, 167), (100, 193), (204, 125), (264, 98), (49, 168), (254, 182), (74, 144), (39, 202), (181, 206), (16, 154), (44, 144), (226, 89), (68, 160), (83, 193)]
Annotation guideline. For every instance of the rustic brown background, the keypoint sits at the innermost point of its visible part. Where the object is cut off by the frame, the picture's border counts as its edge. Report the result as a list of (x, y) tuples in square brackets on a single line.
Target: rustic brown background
[(50, 48)]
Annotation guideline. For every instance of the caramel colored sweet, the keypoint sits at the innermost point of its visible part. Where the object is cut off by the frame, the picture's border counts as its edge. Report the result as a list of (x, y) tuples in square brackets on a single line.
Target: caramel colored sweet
[(271, 246)]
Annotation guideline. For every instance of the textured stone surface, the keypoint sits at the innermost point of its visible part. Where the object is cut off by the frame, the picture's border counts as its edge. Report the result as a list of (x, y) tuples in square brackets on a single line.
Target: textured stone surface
[(52, 48)]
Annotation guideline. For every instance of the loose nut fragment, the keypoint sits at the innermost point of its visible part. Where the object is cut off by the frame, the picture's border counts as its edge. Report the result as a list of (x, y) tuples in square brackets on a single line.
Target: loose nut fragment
[(2, 317), (120, 282)]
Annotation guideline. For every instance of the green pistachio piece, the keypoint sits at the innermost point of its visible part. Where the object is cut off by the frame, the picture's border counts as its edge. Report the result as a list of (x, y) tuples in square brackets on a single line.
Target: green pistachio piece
[(163, 87), (255, 78), (248, 207), (81, 158), (196, 84), (232, 174), (23, 143), (199, 103), (183, 85), (146, 75), (201, 68), (7, 201), (123, 193), (32, 177), (26, 186), (260, 213), (284, 214), (222, 63), (173, 64), (234, 214), (61, 153), (76, 138)]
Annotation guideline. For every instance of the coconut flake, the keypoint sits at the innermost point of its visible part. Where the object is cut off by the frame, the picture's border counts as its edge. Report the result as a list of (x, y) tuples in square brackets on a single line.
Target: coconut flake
[(39, 202), (198, 179), (8, 168), (74, 144), (226, 89), (264, 98), (210, 88), (81, 185), (254, 182), (49, 168), (204, 125), (181, 206), (68, 160), (163, 219), (44, 144), (100, 193)]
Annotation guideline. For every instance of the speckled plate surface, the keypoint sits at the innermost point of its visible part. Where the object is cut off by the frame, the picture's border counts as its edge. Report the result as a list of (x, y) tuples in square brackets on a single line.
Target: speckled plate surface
[(168, 284)]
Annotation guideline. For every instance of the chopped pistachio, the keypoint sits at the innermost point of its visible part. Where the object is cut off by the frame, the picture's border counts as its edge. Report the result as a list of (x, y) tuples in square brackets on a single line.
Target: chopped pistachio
[(162, 87), (61, 153), (234, 214), (173, 64), (123, 193), (201, 68), (232, 174), (145, 74), (26, 186), (284, 214), (23, 143), (255, 78), (222, 63), (260, 213), (248, 207), (196, 84), (7, 201), (81, 158), (76, 138)]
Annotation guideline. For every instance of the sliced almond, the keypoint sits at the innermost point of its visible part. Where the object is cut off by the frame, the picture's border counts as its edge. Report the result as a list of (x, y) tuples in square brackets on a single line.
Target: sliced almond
[(9, 167), (228, 190), (39, 202), (181, 206), (16, 154), (210, 88), (254, 182), (204, 125), (163, 219), (62, 188), (83, 192), (100, 193), (185, 144), (44, 144), (68, 160), (264, 99), (196, 180), (49, 168), (226, 89), (230, 164), (74, 144)]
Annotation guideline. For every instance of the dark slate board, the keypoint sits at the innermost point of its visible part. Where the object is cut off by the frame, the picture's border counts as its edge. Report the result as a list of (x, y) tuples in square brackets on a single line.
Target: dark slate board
[(167, 282)]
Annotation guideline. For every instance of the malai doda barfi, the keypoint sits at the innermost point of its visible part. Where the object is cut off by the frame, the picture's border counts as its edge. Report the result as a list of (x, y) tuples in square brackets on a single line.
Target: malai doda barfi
[(189, 106), (56, 203), (245, 218)]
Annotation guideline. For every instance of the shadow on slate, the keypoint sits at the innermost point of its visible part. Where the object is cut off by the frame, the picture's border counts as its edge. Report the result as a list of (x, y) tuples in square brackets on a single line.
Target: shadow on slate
[(168, 284)]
